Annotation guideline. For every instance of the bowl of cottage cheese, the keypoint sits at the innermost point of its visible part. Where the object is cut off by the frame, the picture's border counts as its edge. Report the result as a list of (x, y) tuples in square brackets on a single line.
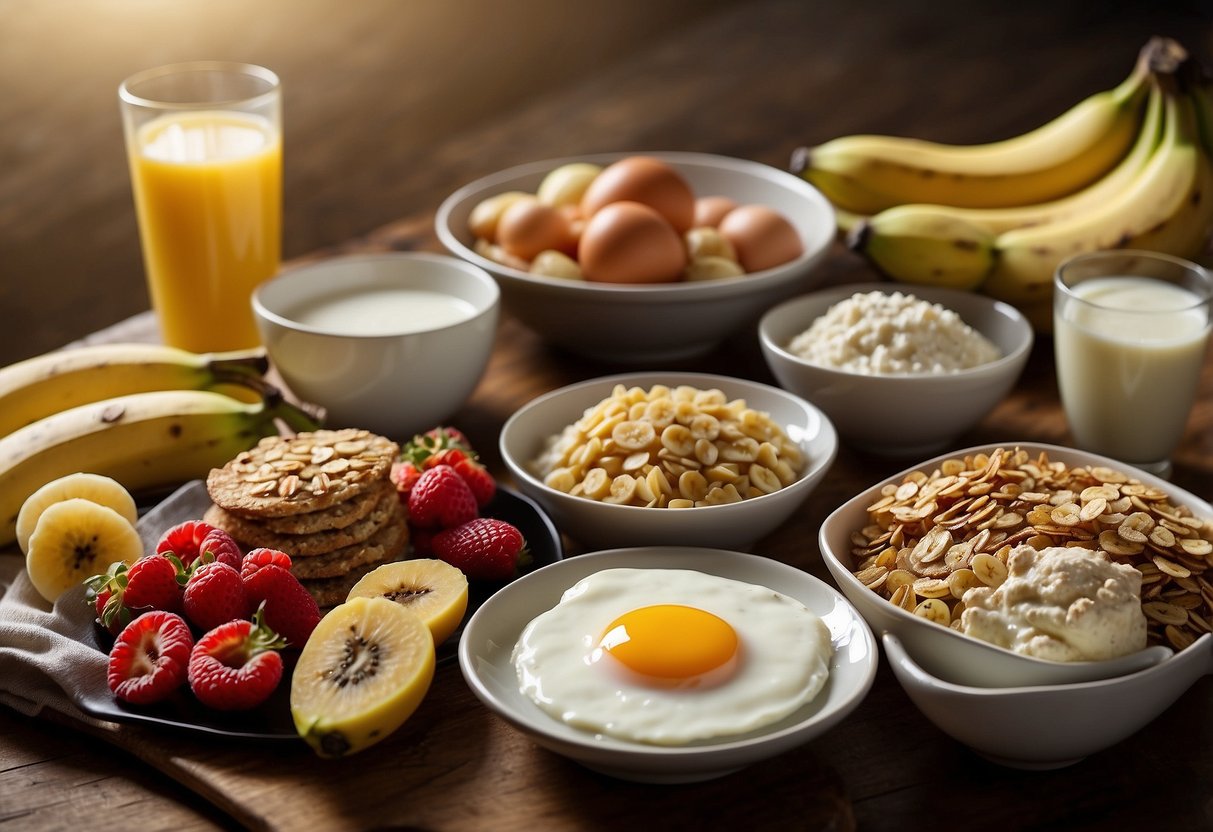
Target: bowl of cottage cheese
[(901, 371)]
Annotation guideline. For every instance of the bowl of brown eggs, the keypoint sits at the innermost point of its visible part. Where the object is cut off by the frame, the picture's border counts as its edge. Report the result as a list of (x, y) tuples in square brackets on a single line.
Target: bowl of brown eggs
[(641, 257)]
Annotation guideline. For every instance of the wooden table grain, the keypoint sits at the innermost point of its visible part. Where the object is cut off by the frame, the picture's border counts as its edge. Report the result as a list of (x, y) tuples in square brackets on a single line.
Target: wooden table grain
[(752, 81)]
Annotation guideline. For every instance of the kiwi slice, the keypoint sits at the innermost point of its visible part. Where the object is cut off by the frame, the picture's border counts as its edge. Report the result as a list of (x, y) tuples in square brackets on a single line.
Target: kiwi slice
[(363, 672), (433, 590), (75, 539)]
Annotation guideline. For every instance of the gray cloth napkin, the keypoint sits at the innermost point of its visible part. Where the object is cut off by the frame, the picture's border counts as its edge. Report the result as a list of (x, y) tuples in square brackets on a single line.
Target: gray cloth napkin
[(45, 657)]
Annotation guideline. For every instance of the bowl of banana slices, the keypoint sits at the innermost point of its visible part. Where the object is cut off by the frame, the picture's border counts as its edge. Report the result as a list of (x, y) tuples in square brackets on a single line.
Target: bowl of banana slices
[(1123, 168)]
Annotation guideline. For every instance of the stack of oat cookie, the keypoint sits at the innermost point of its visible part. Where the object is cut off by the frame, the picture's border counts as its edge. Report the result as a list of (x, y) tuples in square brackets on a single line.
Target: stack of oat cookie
[(323, 497)]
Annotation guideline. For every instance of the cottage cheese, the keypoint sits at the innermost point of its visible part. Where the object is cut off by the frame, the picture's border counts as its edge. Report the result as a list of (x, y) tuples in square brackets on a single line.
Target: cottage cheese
[(1060, 603), (892, 334)]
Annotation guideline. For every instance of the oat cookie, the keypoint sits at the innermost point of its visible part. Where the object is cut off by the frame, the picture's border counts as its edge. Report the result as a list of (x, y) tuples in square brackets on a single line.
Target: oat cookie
[(389, 543), (252, 534), (286, 476), (339, 516)]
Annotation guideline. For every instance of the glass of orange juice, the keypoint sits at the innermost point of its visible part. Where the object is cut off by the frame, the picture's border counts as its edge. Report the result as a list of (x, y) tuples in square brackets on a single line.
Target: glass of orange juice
[(204, 141)]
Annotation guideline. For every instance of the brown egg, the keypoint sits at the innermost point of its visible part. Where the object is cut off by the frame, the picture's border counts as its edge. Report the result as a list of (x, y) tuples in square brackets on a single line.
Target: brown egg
[(645, 180), (710, 210), (763, 237), (626, 242), (528, 227)]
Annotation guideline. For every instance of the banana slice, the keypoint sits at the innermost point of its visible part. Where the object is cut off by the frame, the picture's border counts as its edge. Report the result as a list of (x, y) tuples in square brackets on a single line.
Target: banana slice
[(74, 539), (92, 487)]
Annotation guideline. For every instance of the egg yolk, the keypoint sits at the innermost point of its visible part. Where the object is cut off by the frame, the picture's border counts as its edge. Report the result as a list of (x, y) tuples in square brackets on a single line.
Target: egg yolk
[(671, 642)]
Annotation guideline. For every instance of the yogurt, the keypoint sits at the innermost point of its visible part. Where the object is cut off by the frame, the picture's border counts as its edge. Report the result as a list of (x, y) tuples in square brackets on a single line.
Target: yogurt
[(1129, 352)]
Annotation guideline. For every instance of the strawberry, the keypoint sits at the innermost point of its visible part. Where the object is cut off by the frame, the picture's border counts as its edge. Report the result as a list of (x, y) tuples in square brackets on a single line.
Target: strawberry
[(123, 592), (289, 608), (478, 478), (184, 540), (404, 476), (214, 595), (220, 546), (257, 558), (483, 549), (150, 657), (447, 456), (236, 666), (441, 498)]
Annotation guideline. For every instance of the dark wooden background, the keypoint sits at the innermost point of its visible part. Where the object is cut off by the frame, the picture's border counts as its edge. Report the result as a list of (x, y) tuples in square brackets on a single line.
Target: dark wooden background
[(392, 104)]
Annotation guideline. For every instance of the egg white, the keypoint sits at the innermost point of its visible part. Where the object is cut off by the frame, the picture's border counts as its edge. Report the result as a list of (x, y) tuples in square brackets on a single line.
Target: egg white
[(784, 654)]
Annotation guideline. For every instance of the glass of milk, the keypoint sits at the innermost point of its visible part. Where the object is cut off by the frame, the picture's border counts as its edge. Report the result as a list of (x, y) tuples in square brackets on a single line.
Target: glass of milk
[(1130, 337)]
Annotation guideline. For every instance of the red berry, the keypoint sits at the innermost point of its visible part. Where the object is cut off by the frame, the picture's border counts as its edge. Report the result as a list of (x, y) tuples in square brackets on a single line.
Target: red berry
[(257, 558), (235, 666), (123, 592), (441, 498), (220, 546), (149, 658), (184, 540), (214, 595), (478, 478), (289, 609), (404, 476), (448, 456), (483, 549)]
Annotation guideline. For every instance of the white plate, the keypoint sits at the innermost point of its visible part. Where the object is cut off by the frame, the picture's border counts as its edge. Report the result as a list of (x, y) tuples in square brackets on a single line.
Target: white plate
[(489, 638)]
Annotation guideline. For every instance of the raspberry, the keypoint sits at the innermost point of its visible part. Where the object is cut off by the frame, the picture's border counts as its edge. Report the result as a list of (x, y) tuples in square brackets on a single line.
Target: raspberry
[(149, 658), (236, 665)]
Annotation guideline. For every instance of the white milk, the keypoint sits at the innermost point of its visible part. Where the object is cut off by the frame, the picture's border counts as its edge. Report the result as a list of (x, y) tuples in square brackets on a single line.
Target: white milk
[(1128, 368), (383, 312)]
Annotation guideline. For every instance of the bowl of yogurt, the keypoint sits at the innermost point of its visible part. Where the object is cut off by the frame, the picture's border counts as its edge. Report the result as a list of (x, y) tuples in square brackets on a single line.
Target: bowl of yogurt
[(394, 342)]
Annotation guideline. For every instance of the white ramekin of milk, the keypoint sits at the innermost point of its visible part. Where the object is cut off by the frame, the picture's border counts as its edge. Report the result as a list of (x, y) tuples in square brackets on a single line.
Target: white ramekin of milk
[(1130, 337)]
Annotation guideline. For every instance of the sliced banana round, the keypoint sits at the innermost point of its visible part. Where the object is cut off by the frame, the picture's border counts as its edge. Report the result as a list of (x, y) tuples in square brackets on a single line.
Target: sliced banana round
[(92, 487), (75, 539)]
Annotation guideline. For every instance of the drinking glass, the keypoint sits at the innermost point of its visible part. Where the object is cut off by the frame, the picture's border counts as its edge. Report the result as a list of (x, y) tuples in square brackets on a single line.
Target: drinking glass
[(204, 142), (1130, 336)]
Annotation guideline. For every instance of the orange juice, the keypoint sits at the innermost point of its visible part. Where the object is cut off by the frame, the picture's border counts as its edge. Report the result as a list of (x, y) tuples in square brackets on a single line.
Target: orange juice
[(208, 192)]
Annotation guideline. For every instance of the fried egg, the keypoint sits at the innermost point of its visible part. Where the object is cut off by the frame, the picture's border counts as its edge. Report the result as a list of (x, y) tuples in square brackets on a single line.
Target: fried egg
[(672, 656)]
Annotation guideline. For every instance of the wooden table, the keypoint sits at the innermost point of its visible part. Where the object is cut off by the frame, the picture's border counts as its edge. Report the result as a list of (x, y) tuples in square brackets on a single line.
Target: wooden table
[(753, 81)]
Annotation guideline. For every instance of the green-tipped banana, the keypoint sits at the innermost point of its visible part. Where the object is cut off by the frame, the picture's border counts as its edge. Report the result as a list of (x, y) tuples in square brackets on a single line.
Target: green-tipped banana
[(1168, 207), (144, 441), (925, 248), (866, 174), (46, 384)]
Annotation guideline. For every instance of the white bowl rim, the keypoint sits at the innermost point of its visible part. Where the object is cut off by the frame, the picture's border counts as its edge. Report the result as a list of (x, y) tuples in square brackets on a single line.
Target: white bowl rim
[(969, 642), (1023, 343), (708, 748), (646, 293), (819, 464), (471, 269)]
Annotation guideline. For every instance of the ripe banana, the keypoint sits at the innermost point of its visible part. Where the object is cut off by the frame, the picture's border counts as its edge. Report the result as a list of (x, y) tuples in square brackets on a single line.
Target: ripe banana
[(998, 220), (917, 244), (143, 440), (46, 384), (867, 174), (1168, 208)]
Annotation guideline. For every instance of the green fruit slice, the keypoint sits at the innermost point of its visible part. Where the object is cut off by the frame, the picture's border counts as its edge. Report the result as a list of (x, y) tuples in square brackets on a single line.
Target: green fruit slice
[(363, 672), (431, 589)]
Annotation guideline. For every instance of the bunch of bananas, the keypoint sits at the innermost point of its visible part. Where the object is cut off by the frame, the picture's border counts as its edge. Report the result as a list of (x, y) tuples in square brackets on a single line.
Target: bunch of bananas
[(147, 416), (1129, 167)]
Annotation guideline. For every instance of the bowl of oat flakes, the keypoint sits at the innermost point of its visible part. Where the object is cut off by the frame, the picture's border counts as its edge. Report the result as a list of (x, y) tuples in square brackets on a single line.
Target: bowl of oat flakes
[(901, 371), (1014, 533)]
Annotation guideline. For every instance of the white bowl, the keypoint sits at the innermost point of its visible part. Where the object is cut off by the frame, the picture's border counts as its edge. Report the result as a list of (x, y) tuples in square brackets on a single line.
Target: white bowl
[(400, 381), (949, 654), (598, 524), (661, 322), (1048, 726), (490, 635), (906, 415)]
